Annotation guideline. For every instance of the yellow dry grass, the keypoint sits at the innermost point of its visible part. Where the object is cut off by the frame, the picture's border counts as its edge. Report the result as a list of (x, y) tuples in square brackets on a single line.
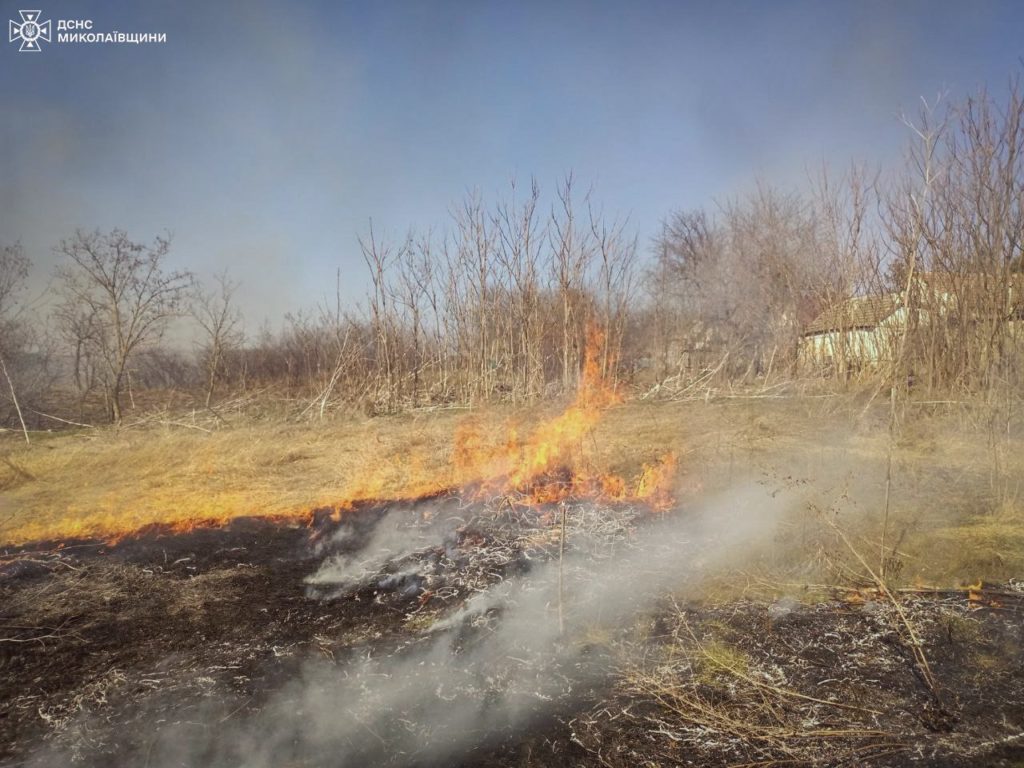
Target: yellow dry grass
[(946, 519), (107, 481)]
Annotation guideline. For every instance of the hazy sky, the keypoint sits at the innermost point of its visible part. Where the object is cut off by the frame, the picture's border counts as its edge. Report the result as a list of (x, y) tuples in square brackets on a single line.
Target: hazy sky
[(264, 135)]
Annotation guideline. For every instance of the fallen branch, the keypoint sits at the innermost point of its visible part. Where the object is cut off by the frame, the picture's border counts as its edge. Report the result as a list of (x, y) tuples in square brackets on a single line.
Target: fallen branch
[(63, 421)]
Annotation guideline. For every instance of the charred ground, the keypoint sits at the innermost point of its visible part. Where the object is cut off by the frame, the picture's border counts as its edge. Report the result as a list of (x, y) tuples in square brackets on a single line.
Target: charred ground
[(266, 642)]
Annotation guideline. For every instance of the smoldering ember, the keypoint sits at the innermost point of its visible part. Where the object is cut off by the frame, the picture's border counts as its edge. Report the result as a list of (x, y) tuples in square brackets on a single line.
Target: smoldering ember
[(447, 384)]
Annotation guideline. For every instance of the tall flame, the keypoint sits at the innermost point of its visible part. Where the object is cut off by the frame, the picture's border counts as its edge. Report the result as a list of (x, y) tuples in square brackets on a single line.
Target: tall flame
[(542, 466)]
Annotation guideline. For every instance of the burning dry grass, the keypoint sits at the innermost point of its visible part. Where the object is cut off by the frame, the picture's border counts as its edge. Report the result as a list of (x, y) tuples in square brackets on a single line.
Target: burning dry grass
[(438, 620), (949, 519), (121, 483), (105, 482), (109, 482)]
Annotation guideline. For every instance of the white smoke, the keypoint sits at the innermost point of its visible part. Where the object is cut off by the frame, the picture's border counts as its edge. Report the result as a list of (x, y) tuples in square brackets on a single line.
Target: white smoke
[(400, 534), (470, 682)]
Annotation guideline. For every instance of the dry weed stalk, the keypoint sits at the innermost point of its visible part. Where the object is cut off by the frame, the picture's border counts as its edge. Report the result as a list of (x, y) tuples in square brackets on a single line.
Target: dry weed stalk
[(757, 712), (904, 627)]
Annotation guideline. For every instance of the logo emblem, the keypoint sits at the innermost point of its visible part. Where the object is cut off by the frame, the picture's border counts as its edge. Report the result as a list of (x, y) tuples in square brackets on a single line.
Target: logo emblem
[(30, 31)]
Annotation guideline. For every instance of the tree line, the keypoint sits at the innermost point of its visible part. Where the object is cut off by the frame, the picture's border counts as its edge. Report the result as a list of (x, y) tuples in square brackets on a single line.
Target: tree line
[(497, 306), (937, 240)]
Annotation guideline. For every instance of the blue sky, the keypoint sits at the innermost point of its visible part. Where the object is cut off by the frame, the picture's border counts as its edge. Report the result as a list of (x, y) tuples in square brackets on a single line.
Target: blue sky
[(265, 135)]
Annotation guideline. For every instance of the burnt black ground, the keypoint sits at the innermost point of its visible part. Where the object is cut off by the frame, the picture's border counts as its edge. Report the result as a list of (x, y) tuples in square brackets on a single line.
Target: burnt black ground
[(110, 651)]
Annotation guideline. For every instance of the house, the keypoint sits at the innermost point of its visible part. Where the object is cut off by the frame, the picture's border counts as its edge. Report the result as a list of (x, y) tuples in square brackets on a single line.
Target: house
[(864, 331), (857, 332)]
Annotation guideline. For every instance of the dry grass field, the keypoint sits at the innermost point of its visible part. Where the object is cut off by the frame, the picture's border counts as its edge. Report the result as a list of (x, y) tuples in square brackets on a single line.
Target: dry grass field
[(955, 506)]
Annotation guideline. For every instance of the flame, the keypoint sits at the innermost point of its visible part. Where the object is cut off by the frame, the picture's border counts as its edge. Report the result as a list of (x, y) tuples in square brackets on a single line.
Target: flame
[(542, 465), (655, 483)]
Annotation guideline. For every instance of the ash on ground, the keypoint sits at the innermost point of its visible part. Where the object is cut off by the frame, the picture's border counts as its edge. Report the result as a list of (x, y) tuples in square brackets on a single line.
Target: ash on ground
[(442, 632)]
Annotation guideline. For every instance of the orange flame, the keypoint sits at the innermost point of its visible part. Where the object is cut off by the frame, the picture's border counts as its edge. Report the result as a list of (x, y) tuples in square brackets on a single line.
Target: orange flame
[(546, 466)]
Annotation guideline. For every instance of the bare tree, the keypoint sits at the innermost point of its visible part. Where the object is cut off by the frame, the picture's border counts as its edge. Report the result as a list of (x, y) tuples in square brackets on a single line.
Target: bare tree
[(220, 321), (122, 286), (616, 284), (381, 258), (572, 250), (520, 237), (850, 254), (745, 280), (77, 329), (475, 262)]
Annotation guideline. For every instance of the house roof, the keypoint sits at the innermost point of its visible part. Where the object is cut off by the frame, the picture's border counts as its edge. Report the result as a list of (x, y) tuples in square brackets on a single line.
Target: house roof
[(858, 312), (945, 290)]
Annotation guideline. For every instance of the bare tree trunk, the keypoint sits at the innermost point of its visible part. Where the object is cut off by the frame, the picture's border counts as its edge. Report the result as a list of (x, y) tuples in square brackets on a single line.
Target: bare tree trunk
[(114, 400)]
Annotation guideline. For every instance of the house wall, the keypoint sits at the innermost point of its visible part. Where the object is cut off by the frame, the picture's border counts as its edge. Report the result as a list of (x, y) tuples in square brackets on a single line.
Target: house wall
[(818, 352), (861, 347)]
